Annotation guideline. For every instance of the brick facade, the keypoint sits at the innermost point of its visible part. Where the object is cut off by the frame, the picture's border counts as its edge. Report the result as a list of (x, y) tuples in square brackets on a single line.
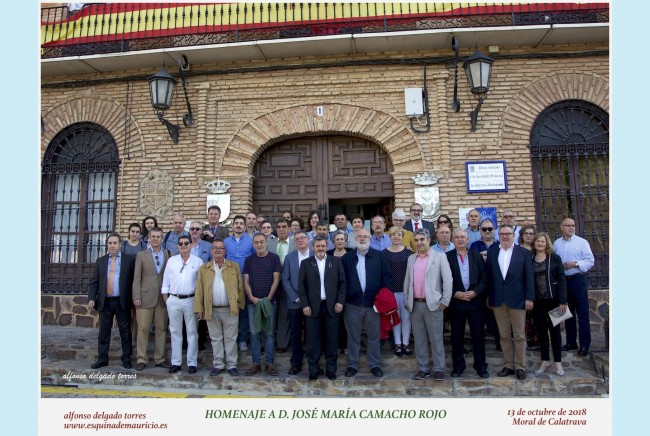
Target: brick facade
[(237, 116)]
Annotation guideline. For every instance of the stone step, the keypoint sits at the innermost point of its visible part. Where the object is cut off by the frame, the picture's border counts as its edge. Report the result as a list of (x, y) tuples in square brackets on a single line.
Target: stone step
[(81, 345), (575, 382), (67, 353)]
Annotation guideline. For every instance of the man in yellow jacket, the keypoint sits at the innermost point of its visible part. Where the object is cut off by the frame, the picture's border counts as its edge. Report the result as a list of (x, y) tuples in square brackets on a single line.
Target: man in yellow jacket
[(219, 297)]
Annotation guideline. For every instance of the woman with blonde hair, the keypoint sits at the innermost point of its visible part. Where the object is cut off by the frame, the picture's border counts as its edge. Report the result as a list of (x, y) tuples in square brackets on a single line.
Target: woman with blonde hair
[(550, 292), (398, 256)]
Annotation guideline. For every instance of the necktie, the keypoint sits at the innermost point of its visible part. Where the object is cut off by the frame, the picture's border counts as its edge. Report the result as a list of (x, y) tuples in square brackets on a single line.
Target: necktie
[(111, 277), (281, 251), (416, 226)]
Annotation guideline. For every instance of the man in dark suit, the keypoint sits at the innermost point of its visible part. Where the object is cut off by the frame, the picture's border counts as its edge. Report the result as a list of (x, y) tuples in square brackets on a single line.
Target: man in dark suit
[(321, 289), (109, 293), (510, 285), (212, 230), (282, 246), (290, 273), (366, 272), (466, 304), (416, 222), (149, 303)]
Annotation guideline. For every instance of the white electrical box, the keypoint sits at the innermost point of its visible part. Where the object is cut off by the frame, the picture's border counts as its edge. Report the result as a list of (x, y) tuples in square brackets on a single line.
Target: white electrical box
[(413, 102)]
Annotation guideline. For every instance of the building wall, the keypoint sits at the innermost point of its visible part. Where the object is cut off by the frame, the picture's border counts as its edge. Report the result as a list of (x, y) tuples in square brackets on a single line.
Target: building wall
[(238, 115)]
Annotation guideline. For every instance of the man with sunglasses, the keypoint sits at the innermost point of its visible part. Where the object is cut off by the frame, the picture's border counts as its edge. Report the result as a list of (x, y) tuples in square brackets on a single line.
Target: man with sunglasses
[(148, 301), (179, 282), (416, 222), (482, 246)]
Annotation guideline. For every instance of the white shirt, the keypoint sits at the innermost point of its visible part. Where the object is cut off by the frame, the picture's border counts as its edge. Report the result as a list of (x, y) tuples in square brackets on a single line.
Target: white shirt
[(177, 282), (219, 296), (504, 259), (321, 272), (575, 249)]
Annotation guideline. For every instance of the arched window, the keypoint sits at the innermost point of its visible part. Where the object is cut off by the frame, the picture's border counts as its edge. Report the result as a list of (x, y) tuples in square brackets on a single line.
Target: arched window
[(569, 150), (77, 205)]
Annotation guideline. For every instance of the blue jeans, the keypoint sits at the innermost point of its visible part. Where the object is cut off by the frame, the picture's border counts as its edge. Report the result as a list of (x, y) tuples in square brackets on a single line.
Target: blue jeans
[(269, 340)]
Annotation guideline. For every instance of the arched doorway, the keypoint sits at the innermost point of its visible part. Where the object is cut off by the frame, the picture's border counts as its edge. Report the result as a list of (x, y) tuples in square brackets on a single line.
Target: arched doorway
[(78, 202), (333, 173), (569, 149)]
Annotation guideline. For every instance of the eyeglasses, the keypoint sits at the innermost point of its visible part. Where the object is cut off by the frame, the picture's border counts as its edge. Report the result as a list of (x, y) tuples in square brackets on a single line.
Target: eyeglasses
[(529, 234), (508, 216), (443, 222), (502, 235), (301, 238), (195, 229), (487, 229), (362, 237), (183, 267), (183, 244), (218, 248), (416, 210)]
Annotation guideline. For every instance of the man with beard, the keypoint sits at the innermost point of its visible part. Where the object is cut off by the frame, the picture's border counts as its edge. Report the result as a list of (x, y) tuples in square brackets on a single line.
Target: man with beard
[(366, 272)]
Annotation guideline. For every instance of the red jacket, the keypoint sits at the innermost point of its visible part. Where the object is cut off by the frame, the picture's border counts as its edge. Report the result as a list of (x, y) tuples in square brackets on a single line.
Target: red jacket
[(386, 306)]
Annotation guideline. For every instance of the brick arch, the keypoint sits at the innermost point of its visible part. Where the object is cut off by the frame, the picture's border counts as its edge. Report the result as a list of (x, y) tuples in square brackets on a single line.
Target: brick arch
[(531, 100), (107, 114), (383, 129)]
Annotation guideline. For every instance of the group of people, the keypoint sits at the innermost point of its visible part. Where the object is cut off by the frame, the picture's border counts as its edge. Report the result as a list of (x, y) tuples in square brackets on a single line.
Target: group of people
[(329, 286)]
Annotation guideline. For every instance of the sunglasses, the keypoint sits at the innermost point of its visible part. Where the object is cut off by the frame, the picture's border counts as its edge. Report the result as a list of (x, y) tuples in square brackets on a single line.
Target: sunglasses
[(487, 229), (195, 229), (416, 210), (443, 222), (157, 261), (183, 244)]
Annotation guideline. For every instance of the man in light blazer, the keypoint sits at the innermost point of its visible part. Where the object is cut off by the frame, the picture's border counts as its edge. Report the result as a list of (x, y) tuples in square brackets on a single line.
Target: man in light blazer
[(219, 298), (322, 291), (149, 304), (282, 246), (509, 281), (427, 293), (290, 272), (109, 293)]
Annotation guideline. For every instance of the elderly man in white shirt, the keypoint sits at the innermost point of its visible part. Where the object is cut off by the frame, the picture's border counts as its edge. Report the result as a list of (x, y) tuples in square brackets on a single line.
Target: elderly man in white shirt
[(577, 259), (178, 286)]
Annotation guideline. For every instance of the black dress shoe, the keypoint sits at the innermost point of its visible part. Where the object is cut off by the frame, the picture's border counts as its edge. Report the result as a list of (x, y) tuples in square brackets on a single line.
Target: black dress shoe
[(313, 376), (127, 364), (483, 374), (505, 372), (294, 370), (330, 375), (456, 373), (521, 374), (350, 372), (163, 364), (281, 349), (583, 351), (569, 347), (377, 372), (98, 364), (191, 369), (174, 368), (140, 366), (320, 371), (217, 371)]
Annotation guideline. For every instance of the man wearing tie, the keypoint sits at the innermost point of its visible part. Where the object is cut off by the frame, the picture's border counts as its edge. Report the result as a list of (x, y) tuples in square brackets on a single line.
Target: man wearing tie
[(282, 245), (109, 292), (416, 222), (322, 290), (290, 272), (510, 283), (149, 304)]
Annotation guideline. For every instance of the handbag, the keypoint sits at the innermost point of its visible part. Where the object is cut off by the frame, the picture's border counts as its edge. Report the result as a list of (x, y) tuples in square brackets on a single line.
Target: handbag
[(557, 317)]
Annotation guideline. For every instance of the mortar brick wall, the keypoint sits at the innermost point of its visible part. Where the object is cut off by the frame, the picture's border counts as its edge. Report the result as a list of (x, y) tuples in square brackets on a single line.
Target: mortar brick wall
[(237, 116)]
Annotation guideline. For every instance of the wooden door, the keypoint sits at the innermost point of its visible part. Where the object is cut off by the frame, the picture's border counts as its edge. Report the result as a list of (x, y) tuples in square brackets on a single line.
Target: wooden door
[(302, 174)]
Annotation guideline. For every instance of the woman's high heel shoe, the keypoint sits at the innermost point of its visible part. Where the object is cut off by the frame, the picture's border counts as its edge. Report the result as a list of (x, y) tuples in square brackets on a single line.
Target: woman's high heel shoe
[(558, 369), (542, 368)]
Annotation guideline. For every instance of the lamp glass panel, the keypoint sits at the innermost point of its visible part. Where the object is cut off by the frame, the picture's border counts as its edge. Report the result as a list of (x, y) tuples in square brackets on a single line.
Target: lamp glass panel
[(161, 93)]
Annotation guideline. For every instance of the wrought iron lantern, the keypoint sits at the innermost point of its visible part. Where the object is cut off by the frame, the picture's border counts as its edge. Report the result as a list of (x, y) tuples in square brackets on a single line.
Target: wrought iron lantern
[(478, 69), (161, 88)]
